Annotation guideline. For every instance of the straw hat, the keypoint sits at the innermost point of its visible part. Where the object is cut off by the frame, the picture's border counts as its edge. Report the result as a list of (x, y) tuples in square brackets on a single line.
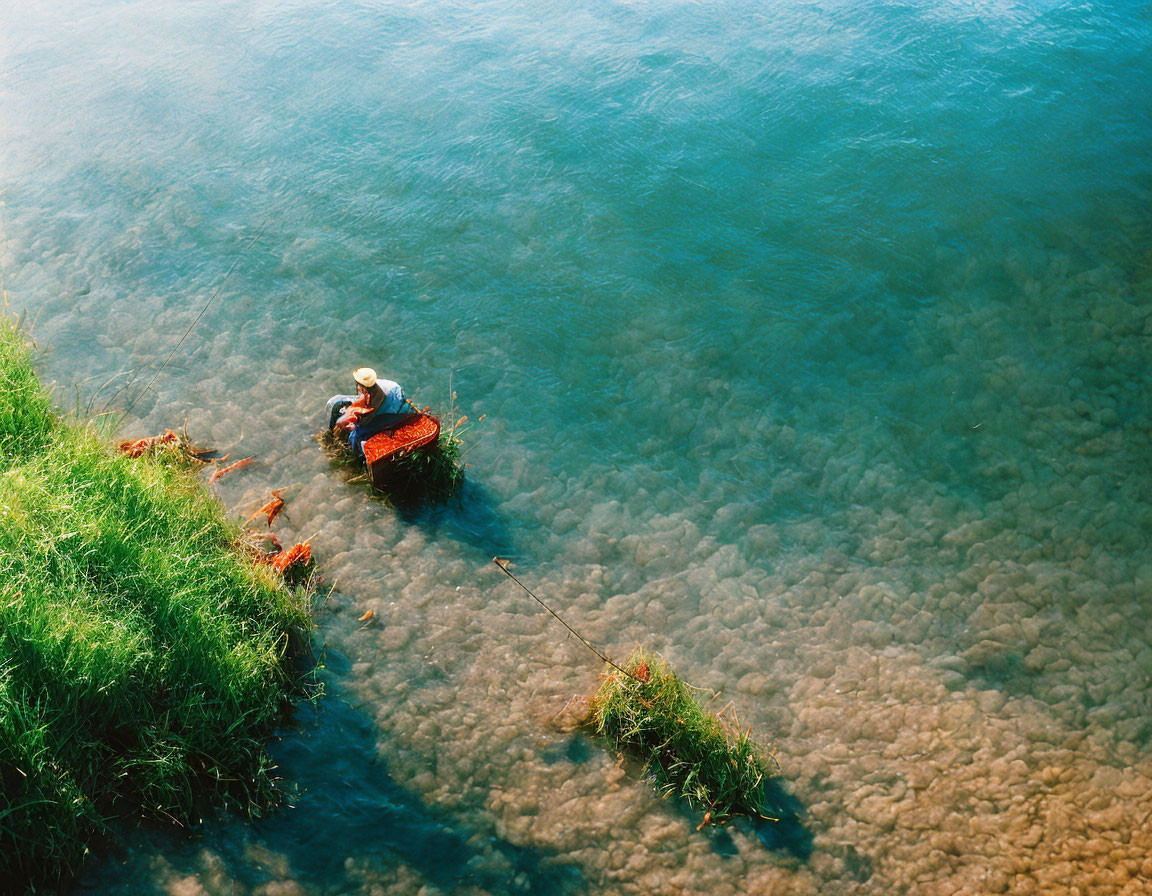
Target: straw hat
[(365, 376)]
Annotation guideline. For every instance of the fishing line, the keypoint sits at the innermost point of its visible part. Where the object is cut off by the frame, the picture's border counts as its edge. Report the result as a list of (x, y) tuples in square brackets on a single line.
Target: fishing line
[(192, 325), (503, 564)]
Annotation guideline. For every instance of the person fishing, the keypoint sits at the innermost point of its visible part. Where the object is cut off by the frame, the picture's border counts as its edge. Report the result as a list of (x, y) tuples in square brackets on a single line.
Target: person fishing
[(377, 405)]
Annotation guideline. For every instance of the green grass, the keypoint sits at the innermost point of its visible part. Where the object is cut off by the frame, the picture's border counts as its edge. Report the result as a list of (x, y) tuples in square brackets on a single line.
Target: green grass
[(708, 761), (27, 423), (432, 474), (143, 660)]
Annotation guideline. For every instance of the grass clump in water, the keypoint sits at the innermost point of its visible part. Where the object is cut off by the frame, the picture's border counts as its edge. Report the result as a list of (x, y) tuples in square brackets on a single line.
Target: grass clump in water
[(689, 753), (431, 474), (143, 660)]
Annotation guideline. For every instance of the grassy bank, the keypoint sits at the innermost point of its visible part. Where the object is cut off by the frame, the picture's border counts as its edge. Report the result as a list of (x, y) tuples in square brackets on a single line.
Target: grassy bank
[(143, 661)]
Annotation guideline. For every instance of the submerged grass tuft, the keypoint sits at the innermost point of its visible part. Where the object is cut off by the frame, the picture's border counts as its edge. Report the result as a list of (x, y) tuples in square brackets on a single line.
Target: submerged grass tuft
[(652, 714), (143, 661)]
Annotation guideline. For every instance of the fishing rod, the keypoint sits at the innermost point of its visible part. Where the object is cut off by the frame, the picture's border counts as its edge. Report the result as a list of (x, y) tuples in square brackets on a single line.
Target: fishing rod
[(192, 325), (503, 564)]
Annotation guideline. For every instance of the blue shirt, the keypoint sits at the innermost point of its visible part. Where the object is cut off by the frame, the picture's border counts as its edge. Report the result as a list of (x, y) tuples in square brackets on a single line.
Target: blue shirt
[(393, 398)]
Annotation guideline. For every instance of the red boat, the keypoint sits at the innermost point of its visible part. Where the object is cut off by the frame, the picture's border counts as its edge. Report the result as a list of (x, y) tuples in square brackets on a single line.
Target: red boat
[(415, 433)]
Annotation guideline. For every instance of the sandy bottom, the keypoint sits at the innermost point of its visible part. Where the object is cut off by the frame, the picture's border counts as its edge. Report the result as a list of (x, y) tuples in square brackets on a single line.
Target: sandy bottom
[(1003, 753), (955, 677), (959, 702)]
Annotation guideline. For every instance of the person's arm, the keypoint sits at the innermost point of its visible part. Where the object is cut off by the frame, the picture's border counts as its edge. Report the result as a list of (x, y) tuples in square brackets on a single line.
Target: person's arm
[(375, 399)]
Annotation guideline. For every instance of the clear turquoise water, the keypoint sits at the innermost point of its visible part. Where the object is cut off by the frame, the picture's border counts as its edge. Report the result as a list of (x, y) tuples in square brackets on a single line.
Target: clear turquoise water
[(813, 341)]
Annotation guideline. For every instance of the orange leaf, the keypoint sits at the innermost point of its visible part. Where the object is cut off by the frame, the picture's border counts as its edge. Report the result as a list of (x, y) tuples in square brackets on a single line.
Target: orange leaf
[(272, 509), (297, 555), (230, 468)]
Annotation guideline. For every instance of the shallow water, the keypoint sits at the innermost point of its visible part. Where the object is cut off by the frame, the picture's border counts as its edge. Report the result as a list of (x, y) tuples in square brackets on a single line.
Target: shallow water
[(813, 342)]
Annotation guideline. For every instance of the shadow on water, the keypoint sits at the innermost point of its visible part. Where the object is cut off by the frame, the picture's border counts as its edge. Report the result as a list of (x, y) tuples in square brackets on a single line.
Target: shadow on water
[(351, 802), (349, 822), (577, 749), (469, 518), (788, 834)]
